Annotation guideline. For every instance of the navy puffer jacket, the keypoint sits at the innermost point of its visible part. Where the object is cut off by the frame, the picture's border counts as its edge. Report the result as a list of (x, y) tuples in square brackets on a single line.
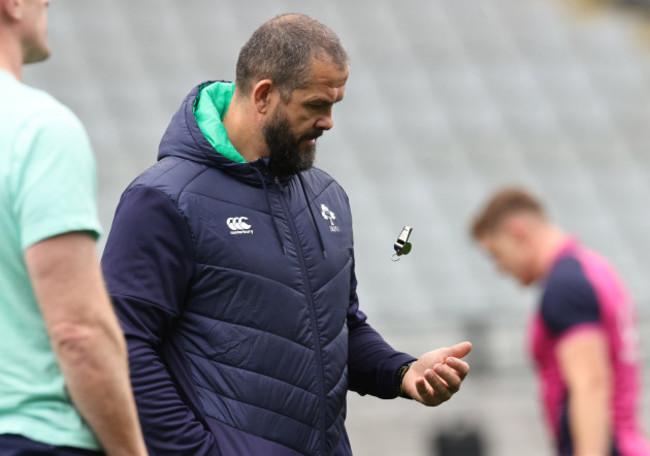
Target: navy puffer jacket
[(237, 294)]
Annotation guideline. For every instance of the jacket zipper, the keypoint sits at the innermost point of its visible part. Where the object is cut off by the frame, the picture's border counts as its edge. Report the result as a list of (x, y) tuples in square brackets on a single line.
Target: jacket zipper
[(312, 314)]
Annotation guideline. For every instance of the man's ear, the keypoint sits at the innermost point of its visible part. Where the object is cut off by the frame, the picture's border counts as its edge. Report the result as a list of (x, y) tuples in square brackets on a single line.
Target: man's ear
[(517, 227), (262, 94), (12, 9)]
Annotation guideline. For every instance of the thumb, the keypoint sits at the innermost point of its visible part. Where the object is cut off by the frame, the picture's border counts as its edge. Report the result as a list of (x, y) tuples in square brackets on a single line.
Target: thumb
[(459, 350)]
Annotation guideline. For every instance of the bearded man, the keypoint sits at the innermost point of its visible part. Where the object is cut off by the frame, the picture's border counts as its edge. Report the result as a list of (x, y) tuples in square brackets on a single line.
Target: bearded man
[(230, 263)]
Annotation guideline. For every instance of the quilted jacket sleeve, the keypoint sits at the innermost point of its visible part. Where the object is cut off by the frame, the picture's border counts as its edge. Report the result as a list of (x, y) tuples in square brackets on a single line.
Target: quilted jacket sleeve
[(148, 262), (372, 363)]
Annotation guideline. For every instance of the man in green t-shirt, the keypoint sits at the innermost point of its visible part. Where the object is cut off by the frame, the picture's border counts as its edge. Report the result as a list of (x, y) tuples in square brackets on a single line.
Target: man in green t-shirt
[(64, 385)]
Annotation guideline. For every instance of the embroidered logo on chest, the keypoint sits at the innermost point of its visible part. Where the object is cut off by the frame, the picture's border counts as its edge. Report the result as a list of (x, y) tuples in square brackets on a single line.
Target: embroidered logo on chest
[(238, 225), (329, 216)]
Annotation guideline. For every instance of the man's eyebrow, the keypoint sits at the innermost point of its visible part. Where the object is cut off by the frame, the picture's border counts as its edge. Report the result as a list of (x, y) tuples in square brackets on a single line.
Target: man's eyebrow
[(319, 100)]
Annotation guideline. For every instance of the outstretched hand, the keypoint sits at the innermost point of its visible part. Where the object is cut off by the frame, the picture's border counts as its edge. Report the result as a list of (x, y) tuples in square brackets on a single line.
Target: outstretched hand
[(437, 375)]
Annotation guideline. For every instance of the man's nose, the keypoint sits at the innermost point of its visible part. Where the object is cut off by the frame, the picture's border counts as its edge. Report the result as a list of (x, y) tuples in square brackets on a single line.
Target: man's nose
[(325, 122)]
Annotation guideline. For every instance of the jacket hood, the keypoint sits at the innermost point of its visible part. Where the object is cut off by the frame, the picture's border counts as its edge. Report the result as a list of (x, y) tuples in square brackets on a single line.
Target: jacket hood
[(185, 138)]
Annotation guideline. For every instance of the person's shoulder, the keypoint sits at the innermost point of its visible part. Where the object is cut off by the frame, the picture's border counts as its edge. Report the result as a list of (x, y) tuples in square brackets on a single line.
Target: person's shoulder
[(51, 112), (569, 298), (34, 109), (170, 176), (567, 277), (319, 178), (29, 102), (566, 267)]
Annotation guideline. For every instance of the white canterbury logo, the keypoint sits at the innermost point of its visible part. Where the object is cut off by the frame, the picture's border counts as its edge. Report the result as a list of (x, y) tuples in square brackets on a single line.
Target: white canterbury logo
[(238, 225)]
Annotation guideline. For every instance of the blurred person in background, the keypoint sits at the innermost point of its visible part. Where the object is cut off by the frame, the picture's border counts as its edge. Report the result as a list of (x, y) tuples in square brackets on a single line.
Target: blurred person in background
[(64, 383), (230, 263), (583, 336)]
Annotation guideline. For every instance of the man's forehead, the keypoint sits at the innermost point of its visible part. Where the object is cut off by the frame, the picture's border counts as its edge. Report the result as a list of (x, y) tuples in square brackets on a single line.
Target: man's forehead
[(321, 92), (329, 74)]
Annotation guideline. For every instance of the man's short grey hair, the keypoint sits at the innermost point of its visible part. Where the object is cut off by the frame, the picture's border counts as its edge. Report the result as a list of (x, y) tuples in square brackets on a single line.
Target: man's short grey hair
[(282, 50)]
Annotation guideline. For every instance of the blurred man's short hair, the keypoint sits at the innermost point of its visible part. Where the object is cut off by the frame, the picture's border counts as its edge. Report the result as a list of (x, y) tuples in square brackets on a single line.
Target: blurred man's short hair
[(505, 202)]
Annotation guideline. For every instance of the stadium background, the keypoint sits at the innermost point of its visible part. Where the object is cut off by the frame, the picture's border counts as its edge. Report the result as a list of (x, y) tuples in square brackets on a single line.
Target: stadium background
[(447, 100)]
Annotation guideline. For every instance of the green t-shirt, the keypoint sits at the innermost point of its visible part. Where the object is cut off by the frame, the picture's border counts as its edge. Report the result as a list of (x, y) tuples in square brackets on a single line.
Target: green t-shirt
[(47, 187)]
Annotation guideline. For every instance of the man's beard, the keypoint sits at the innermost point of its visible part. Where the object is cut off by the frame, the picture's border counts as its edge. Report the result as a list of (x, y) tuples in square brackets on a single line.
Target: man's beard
[(286, 157)]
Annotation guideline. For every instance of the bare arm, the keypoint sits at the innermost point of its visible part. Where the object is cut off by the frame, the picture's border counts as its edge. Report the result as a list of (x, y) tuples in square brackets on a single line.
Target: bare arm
[(86, 338), (584, 364)]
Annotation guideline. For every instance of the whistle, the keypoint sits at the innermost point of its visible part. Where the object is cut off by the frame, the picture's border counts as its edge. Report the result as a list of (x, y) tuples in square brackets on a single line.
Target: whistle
[(402, 245)]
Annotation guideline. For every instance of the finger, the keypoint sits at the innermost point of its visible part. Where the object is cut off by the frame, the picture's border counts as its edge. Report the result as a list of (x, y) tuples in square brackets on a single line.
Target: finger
[(440, 389), (459, 350), (461, 367), (423, 389), (426, 394), (450, 377)]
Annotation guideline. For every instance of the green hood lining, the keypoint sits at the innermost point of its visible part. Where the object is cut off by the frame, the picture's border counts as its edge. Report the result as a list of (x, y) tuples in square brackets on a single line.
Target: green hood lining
[(210, 107)]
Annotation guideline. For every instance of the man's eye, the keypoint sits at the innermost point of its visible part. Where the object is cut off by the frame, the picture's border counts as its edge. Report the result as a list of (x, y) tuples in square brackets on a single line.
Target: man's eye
[(318, 105)]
